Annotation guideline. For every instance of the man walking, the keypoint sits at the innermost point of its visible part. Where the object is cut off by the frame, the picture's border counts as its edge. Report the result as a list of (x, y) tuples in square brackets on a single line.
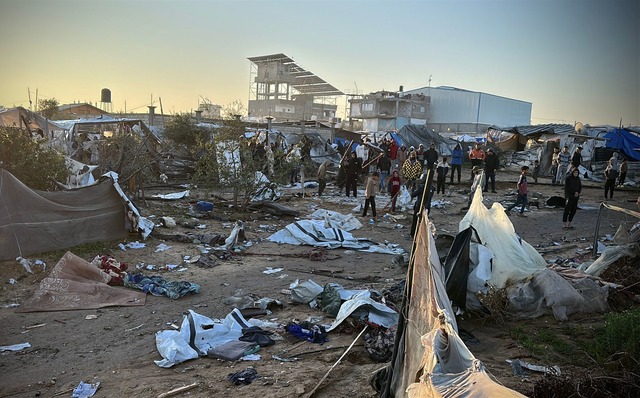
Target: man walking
[(554, 165), (490, 167)]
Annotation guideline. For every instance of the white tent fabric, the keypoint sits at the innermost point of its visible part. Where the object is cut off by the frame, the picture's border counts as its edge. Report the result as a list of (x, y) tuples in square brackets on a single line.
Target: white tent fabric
[(436, 362), (333, 219), (196, 336), (314, 233), (514, 259)]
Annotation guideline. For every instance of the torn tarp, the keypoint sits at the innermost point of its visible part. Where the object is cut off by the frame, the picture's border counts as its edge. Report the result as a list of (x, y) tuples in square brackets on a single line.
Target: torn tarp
[(376, 312), (197, 335), (333, 219), (314, 233)]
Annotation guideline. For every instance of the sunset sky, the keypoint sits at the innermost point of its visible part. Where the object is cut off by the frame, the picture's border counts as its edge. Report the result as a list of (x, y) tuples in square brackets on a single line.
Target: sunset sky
[(574, 60)]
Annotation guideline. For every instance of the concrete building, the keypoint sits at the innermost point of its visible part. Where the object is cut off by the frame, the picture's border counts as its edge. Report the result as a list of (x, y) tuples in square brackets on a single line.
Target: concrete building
[(441, 109), (283, 90), (385, 110)]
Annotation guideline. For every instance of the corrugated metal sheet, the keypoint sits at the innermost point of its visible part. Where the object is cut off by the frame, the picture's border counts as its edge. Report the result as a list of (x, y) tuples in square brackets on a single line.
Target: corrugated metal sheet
[(539, 129)]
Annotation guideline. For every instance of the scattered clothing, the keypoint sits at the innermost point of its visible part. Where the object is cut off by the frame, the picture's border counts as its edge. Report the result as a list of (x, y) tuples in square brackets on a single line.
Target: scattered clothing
[(159, 286)]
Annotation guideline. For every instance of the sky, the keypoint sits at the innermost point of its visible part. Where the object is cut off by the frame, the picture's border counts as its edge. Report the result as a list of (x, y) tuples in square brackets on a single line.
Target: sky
[(574, 60)]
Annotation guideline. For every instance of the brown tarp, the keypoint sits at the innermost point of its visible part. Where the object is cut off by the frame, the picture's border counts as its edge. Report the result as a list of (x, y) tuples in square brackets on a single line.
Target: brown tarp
[(34, 221), (74, 284)]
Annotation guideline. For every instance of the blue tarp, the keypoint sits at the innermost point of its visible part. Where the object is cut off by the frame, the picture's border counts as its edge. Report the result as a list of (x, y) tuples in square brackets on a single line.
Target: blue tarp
[(625, 142)]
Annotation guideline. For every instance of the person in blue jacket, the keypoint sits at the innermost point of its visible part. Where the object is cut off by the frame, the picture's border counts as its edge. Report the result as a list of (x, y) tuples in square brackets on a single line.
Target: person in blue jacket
[(456, 161)]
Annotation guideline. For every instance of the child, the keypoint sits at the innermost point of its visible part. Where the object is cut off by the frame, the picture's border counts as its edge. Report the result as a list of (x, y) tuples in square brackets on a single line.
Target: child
[(536, 171), (370, 193), (394, 189), (523, 189), (442, 169)]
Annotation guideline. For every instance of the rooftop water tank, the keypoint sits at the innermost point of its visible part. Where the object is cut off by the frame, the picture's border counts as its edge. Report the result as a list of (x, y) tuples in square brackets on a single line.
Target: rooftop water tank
[(105, 95)]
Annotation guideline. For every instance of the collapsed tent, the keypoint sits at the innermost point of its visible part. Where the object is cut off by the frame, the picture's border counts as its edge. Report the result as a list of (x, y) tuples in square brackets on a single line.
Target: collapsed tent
[(513, 258), (430, 359), (317, 233), (624, 141), (414, 135), (75, 284), (33, 221)]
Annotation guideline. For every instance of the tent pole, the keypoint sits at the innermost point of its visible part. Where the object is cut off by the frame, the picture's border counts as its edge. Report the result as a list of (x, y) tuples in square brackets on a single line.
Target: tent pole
[(595, 235)]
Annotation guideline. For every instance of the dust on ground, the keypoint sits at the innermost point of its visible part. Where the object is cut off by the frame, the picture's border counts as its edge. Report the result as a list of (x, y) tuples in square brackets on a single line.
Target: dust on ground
[(117, 348)]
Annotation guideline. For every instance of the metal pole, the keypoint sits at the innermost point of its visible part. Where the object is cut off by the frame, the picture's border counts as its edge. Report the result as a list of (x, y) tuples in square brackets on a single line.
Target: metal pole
[(594, 252)]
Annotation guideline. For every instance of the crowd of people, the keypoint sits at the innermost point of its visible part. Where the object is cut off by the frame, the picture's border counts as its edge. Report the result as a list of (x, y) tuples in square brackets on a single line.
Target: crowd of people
[(396, 166)]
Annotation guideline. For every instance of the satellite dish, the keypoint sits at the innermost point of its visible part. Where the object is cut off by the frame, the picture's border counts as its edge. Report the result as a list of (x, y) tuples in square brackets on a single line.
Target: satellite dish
[(579, 127)]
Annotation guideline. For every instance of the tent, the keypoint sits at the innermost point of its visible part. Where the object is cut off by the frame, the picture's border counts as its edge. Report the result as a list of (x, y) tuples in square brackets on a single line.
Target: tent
[(624, 141), (33, 221), (414, 135), (430, 359)]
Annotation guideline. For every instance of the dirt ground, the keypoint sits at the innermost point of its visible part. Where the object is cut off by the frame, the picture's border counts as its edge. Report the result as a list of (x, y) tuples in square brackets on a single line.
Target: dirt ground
[(118, 347)]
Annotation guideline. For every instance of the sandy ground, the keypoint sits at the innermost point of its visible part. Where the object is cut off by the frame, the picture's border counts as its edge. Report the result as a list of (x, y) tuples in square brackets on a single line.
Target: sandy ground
[(118, 347)]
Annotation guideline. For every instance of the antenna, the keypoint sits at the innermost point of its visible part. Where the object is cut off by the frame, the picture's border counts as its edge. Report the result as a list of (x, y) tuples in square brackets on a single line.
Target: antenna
[(30, 103)]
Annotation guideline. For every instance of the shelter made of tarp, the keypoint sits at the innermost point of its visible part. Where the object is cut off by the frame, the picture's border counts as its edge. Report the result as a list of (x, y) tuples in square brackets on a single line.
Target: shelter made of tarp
[(20, 117), (414, 135), (624, 141), (513, 258), (33, 221), (430, 359)]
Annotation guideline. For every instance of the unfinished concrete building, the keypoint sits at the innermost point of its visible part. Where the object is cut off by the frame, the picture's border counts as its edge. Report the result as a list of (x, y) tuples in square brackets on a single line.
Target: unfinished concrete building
[(284, 91), (386, 110)]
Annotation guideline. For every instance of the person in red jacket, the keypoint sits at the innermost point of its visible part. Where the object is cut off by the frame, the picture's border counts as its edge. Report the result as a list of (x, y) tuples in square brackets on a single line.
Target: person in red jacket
[(393, 150), (394, 189), (476, 155)]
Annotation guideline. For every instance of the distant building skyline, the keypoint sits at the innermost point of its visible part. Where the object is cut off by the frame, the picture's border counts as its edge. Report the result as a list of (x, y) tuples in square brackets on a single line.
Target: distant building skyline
[(575, 61)]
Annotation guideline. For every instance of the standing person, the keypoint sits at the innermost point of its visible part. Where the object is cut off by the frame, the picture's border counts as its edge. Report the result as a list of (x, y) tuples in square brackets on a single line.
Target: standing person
[(442, 169), (572, 189), (384, 146), (393, 150), (623, 171), (477, 180), (564, 159), (431, 156), (554, 165), (353, 168), (322, 176), (523, 190), (456, 161), (476, 155), (536, 170), (576, 159), (420, 155), (411, 170), (384, 165), (420, 204), (370, 194), (403, 155), (490, 167), (394, 185), (611, 175)]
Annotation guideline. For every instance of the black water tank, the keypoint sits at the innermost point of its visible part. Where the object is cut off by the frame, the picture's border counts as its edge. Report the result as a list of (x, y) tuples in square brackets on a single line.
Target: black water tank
[(105, 95)]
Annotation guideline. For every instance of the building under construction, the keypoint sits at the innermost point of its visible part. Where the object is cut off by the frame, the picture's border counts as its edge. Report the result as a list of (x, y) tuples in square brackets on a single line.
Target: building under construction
[(284, 91)]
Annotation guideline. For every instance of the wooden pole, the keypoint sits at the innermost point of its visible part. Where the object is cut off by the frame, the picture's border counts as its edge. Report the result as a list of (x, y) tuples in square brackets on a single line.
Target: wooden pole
[(178, 390), (335, 364), (371, 161)]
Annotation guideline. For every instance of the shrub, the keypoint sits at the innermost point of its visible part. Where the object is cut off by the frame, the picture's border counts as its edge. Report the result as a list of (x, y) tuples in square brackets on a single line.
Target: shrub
[(29, 161)]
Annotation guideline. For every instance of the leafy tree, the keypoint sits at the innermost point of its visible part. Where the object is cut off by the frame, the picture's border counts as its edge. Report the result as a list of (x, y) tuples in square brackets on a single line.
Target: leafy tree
[(182, 130), (48, 107), (237, 164), (28, 160)]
